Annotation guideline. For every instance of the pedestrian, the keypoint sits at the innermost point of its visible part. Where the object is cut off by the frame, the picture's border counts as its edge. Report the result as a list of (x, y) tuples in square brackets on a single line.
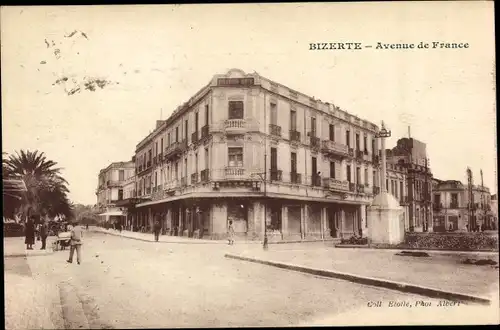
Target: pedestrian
[(157, 229), (76, 243), (87, 226), (29, 232), (230, 233), (44, 231)]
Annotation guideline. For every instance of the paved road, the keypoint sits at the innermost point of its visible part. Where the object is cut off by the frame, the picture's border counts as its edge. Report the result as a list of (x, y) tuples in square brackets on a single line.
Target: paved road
[(124, 283)]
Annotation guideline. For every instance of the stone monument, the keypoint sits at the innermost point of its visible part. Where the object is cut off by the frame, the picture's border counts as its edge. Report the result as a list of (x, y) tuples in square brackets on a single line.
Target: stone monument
[(385, 221)]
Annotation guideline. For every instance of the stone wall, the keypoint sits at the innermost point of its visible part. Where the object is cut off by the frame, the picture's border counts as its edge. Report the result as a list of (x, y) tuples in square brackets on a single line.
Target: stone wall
[(452, 241)]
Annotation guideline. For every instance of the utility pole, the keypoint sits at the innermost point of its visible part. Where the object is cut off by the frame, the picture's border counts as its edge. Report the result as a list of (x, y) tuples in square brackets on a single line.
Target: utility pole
[(483, 199), (471, 201)]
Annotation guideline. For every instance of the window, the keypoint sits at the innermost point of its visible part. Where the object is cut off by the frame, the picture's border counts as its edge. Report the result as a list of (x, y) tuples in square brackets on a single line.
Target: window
[(168, 140), (156, 148), (437, 199), (348, 138), (274, 114), (454, 201), (387, 184), (177, 134), (161, 145), (156, 179), (366, 176), (121, 175), (196, 163), (365, 143), (358, 175), (274, 159), (348, 172), (332, 132), (186, 125), (293, 162), (396, 189), (313, 126), (332, 170), (120, 194), (314, 168), (235, 156), (185, 166), (374, 176), (401, 188), (293, 120), (373, 146), (206, 158), (357, 142), (177, 170), (206, 114), (196, 122), (235, 109)]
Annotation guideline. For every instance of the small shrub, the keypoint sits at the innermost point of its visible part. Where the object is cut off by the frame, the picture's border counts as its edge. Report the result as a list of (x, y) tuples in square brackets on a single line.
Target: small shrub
[(413, 254)]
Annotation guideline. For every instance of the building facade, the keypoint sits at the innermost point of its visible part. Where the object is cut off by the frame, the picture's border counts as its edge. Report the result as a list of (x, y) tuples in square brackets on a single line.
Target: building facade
[(396, 184), (451, 204), (272, 160), (110, 189), (411, 154)]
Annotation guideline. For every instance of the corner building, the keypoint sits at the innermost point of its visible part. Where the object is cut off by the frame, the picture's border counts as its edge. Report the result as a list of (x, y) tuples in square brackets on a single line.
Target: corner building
[(258, 153)]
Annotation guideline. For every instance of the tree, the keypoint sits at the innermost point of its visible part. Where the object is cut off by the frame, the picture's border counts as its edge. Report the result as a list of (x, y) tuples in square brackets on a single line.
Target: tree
[(46, 190)]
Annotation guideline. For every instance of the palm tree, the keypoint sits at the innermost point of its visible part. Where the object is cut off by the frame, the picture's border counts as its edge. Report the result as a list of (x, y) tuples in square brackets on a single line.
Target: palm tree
[(46, 188)]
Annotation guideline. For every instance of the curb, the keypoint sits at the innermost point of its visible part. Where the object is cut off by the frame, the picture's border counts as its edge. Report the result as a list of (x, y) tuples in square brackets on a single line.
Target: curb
[(399, 286), (24, 254)]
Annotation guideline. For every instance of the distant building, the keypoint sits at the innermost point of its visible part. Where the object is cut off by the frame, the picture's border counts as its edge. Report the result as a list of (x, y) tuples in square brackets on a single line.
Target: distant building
[(494, 209), (110, 189), (412, 155), (397, 185), (451, 205)]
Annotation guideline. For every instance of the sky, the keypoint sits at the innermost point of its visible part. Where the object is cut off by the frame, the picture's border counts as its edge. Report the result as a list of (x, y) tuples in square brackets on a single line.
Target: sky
[(151, 59)]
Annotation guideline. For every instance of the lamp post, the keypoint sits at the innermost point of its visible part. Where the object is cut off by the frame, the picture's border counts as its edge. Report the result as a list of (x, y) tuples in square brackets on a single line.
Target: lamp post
[(263, 177), (382, 135)]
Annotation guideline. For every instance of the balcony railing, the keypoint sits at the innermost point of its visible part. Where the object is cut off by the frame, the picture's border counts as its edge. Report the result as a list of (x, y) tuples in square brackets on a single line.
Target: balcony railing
[(376, 190), (437, 206), (316, 180), (204, 131), (112, 183), (335, 184), (172, 185), (360, 188), (148, 191), (375, 159), (335, 148), (295, 178), (154, 160), (175, 149), (359, 154), (238, 125), (275, 130), (183, 181), (194, 178), (276, 175), (294, 135), (350, 152), (148, 164), (352, 187), (315, 142), (194, 137), (234, 173), (454, 206), (205, 175)]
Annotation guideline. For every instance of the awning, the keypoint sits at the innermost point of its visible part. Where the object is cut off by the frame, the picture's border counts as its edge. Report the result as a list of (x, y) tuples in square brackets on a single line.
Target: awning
[(117, 213)]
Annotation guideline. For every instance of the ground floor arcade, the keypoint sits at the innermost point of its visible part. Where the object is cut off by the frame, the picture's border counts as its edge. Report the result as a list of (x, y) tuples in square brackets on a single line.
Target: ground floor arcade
[(208, 218)]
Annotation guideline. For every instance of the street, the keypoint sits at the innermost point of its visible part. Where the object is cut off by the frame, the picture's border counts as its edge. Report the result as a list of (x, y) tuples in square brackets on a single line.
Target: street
[(125, 283)]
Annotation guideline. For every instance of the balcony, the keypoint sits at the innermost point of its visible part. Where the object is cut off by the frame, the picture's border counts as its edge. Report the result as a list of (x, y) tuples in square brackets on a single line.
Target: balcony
[(235, 173), (160, 157), (204, 132), (334, 184), (276, 175), (455, 206), (352, 187), (194, 178), (360, 188), (175, 149), (113, 183), (294, 136), (275, 130), (205, 175), (295, 178), (437, 207), (235, 126), (375, 159), (335, 149), (183, 181), (376, 190), (194, 137), (350, 152), (316, 180), (315, 142), (172, 185), (148, 164), (359, 155)]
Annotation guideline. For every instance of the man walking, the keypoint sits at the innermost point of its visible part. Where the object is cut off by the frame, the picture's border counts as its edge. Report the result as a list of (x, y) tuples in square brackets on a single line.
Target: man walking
[(157, 228), (44, 231), (76, 243)]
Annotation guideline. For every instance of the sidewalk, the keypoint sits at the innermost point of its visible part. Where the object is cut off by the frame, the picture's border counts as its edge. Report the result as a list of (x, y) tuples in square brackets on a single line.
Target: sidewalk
[(149, 237), (440, 271), (15, 247)]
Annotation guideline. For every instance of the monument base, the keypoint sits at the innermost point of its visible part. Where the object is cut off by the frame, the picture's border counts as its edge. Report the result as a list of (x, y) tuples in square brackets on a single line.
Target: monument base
[(385, 220)]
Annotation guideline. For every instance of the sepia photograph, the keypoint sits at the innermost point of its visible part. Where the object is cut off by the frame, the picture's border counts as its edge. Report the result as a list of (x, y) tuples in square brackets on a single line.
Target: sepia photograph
[(249, 165)]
